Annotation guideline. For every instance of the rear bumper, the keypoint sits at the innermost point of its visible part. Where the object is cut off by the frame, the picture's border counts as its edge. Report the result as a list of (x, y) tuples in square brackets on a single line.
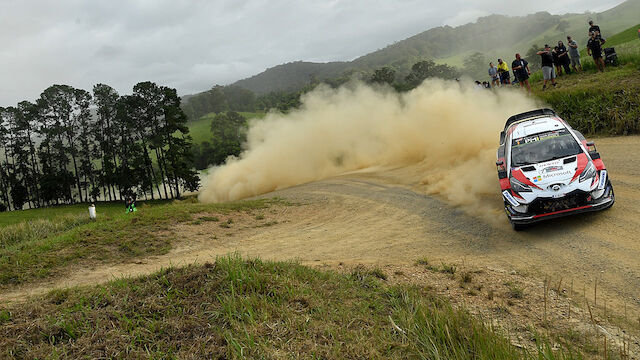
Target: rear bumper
[(605, 202)]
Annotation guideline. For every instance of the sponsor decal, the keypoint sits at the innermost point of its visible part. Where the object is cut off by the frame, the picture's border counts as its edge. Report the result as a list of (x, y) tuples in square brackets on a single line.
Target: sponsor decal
[(551, 169), (550, 163), (556, 174), (534, 138), (537, 178), (603, 179), (507, 196)]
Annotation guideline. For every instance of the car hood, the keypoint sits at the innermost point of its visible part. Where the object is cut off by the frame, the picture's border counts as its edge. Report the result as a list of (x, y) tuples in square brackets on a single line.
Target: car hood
[(546, 174)]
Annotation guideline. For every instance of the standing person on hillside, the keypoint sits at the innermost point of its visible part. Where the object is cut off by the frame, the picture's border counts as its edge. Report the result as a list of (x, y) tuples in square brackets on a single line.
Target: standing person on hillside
[(493, 73), (563, 55), (548, 71), (574, 54), (521, 70), (594, 48), (556, 61), (594, 28), (503, 71)]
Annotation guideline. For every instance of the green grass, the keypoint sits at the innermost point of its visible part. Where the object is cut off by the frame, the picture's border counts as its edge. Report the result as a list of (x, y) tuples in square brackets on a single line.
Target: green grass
[(53, 212), (38, 249), (600, 103), (236, 309), (597, 103), (200, 129), (629, 35)]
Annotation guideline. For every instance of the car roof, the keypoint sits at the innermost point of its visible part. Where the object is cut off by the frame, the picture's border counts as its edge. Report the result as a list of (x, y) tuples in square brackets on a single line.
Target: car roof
[(535, 126)]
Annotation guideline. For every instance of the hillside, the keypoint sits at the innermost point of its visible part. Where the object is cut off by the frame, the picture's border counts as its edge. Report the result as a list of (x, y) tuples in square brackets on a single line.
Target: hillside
[(494, 35)]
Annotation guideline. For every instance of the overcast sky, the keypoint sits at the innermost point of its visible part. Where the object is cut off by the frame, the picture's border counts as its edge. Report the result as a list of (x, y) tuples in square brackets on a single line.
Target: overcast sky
[(192, 45)]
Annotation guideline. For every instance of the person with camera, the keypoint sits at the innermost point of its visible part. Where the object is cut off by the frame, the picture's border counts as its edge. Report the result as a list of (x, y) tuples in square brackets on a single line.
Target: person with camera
[(548, 71), (574, 54), (493, 73), (594, 49), (503, 71), (521, 70), (563, 56)]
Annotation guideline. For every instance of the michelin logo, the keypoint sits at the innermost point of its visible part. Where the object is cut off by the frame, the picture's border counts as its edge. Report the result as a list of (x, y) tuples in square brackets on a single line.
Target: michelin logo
[(507, 195), (603, 179)]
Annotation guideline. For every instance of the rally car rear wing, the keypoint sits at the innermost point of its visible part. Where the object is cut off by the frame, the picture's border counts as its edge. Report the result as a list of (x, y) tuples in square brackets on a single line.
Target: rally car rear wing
[(523, 116)]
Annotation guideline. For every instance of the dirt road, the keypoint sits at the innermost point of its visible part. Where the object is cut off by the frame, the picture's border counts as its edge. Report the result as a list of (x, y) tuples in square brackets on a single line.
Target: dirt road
[(383, 217)]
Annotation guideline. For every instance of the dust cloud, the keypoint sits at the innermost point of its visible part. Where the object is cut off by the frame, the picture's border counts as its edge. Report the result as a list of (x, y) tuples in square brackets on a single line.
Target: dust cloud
[(442, 134)]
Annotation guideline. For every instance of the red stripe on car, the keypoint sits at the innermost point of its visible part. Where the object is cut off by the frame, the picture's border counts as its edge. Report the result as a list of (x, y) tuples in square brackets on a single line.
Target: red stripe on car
[(582, 163), (515, 194), (523, 179), (599, 164), (505, 184), (561, 211)]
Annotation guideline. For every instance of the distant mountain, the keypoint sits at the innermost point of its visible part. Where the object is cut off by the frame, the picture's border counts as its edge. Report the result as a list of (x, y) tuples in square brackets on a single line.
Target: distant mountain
[(292, 76), (494, 36)]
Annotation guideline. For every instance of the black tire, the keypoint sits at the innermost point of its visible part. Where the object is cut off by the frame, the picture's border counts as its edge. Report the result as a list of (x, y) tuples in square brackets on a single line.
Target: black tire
[(518, 227)]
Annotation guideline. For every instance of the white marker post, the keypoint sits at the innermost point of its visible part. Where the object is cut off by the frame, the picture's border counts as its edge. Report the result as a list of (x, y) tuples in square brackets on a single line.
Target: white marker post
[(92, 212)]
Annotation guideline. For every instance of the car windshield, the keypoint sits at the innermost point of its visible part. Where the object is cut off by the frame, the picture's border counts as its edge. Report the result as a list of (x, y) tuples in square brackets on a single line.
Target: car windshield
[(543, 147)]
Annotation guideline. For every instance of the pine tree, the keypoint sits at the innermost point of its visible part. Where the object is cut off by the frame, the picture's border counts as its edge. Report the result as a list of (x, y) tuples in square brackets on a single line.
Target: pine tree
[(178, 140)]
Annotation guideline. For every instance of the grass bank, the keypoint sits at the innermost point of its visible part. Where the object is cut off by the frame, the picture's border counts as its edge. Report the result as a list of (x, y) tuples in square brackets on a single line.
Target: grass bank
[(598, 103), (251, 309), (54, 212), (37, 249)]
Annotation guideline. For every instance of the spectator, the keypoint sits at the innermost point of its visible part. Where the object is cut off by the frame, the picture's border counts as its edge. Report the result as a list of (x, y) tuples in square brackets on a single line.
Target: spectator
[(493, 73), (503, 71), (521, 71), (594, 28), (548, 71), (574, 54), (594, 48), (556, 61), (563, 55)]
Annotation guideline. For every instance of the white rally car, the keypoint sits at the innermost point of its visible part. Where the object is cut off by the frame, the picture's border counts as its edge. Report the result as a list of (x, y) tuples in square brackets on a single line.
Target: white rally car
[(547, 169)]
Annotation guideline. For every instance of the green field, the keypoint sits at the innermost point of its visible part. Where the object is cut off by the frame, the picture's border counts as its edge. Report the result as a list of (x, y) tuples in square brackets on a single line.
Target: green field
[(626, 36), (34, 247), (53, 212), (200, 129), (236, 309)]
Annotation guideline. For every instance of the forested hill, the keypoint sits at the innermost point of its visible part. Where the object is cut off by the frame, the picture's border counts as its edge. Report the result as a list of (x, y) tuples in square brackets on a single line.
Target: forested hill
[(494, 36), (292, 76)]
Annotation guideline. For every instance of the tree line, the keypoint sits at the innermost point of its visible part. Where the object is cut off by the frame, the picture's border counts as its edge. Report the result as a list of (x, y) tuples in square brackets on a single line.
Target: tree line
[(229, 133), (73, 146)]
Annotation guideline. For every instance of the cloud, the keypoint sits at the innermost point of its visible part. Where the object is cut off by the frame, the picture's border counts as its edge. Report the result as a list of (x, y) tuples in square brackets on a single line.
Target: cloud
[(195, 44)]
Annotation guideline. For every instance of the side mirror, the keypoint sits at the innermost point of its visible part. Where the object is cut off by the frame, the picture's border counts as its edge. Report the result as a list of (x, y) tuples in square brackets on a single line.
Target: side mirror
[(499, 163), (501, 137), (590, 143)]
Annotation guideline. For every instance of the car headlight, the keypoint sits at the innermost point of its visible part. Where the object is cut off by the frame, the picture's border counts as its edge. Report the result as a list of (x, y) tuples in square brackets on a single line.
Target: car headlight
[(588, 173), (517, 186)]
